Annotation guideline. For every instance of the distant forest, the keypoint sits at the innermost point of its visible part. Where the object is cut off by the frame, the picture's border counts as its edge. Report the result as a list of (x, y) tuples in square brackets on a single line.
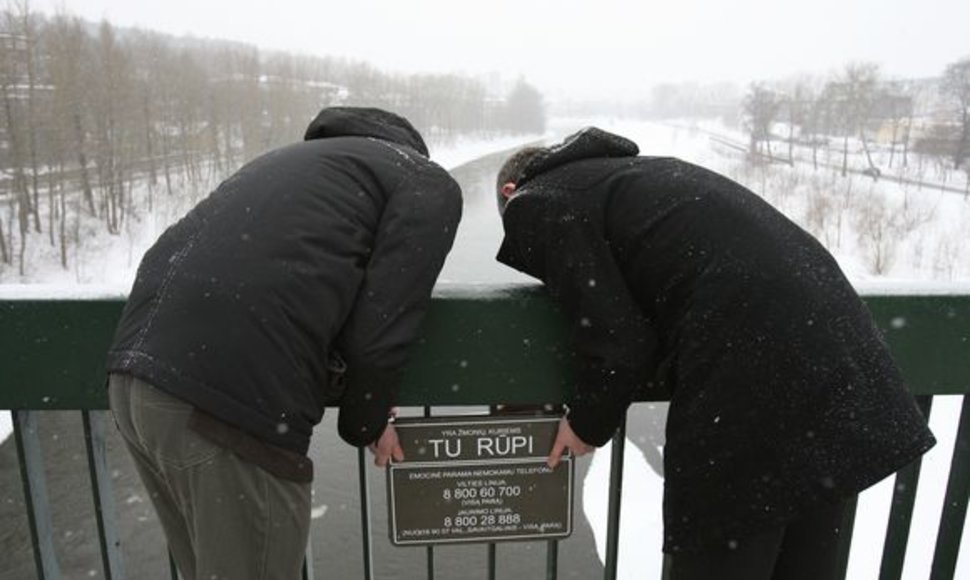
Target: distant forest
[(90, 111)]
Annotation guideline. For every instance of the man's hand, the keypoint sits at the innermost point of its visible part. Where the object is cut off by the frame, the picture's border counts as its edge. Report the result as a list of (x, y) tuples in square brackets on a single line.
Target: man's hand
[(566, 439), (386, 447)]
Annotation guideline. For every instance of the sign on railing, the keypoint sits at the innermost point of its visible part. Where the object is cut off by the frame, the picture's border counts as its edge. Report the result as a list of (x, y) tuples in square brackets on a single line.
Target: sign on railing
[(478, 479)]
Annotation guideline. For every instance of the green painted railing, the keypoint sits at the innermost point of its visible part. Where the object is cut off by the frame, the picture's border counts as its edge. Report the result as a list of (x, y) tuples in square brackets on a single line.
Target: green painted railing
[(481, 346)]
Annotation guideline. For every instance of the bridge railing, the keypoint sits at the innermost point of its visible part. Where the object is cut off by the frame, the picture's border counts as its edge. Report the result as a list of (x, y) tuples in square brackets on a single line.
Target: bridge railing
[(480, 346)]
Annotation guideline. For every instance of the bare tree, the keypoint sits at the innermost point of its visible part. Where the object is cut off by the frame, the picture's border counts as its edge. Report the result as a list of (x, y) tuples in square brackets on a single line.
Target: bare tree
[(67, 51), (245, 107), (812, 120), (882, 225), (893, 110), (22, 22), (12, 81), (949, 248), (147, 48), (800, 109), (876, 233), (760, 106), (861, 81), (819, 209), (852, 96), (900, 112), (110, 110), (956, 85)]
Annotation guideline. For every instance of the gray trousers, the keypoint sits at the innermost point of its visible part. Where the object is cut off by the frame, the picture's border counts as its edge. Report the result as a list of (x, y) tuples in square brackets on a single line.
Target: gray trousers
[(224, 518)]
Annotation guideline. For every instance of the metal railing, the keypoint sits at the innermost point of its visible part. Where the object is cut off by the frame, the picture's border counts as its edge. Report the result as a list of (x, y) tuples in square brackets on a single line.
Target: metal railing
[(480, 346)]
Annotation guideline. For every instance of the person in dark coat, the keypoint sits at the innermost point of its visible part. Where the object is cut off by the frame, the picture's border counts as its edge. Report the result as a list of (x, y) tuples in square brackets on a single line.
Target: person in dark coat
[(299, 283), (785, 401)]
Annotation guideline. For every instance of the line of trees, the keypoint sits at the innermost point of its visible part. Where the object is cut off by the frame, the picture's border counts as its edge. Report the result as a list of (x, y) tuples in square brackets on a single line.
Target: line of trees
[(929, 116), (89, 111)]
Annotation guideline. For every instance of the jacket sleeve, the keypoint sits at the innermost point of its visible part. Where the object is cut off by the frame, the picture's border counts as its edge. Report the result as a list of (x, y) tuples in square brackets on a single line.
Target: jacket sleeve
[(415, 233), (614, 343)]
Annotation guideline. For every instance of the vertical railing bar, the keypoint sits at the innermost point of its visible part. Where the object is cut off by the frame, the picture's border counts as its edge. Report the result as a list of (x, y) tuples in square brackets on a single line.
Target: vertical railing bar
[(364, 513), (429, 551), (901, 513), (613, 511), (665, 567), (490, 564), (845, 536), (104, 506), (308, 560), (552, 560), (491, 560), (35, 494), (173, 570), (954, 503)]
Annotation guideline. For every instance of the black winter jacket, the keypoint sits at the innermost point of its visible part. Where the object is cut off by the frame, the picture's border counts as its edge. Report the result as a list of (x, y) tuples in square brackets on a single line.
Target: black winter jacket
[(325, 246), (783, 391)]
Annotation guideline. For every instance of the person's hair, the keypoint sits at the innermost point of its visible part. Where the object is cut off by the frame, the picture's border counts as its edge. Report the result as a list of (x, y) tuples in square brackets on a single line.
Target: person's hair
[(512, 170)]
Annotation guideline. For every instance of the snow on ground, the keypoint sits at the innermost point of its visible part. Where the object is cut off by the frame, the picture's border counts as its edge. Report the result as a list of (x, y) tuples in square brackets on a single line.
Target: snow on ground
[(641, 523), (6, 425), (62, 291)]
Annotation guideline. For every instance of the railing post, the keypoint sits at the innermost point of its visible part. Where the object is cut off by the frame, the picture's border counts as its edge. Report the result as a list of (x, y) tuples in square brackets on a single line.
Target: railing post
[(35, 494), (104, 504), (616, 493), (955, 502), (429, 555), (308, 561), (552, 560), (365, 513), (173, 570), (490, 574), (429, 551)]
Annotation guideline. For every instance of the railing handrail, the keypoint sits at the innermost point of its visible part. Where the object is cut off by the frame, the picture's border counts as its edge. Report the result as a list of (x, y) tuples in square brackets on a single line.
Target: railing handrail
[(480, 345)]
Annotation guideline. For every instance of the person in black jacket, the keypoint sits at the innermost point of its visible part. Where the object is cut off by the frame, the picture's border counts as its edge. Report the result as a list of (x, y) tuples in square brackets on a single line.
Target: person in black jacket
[(299, 283), (785, 401)]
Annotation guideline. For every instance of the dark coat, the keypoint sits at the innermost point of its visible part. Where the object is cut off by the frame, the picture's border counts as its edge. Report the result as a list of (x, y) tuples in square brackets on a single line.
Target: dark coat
[(783, 390), (328, 245)]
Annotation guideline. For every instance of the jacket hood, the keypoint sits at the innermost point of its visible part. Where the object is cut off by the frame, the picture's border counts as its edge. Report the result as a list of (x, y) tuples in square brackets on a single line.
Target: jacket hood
[(365, 122), (588, 143)]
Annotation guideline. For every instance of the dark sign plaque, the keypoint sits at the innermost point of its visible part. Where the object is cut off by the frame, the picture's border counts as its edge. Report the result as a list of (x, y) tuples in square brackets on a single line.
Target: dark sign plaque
[(478, 479)]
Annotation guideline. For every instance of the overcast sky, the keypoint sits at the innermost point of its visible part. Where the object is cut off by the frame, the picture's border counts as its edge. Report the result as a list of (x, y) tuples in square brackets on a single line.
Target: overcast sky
[(577, 48)]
